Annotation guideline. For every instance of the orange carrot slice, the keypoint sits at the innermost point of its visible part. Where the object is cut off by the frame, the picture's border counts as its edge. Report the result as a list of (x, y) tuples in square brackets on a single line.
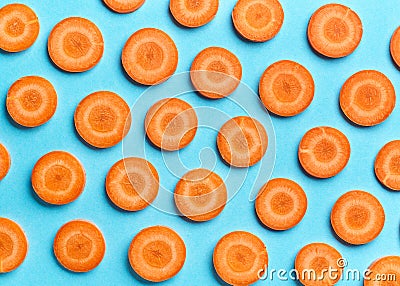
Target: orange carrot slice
[(79, 246), (124, 6), (14, 245), (58, 178), (193, 13), (286, 88), (258, 20), (150, 56), (102, 119), (367, 98), (200, 195), (334, 30), (75, 44), (395, 46), (384, 271), (239, 257), (171, 124), (31, 101), (132, 184), (313, 263), (387, 165), (281, 204), (242, 141), (5, 161), (216, 72), (324, 152), (157, 253), (357, 217), (19, 27)]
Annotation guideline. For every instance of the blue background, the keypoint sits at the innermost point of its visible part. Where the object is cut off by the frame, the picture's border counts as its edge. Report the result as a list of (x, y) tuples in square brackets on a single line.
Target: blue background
[(26, 146)]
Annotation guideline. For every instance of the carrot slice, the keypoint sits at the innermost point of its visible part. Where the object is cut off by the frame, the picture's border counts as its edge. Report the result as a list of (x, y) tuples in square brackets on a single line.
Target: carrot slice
[(384, 271), (157, 253), (75, 44), (19, 27), (150, 56), (124, 6), (334, 30), (286, 88), (313, 263), (357, 217), (367, 98), (395, 46), (387, 165), (324, 152), (31, 101), (102, 119), (216, 72), (258, 20), (200, 195), (242, 141), (238, 258), (79, 246), (14, 245), (193, 13), (171, 124), (5, 161), (58, 178), (132, 184), (281, 204)]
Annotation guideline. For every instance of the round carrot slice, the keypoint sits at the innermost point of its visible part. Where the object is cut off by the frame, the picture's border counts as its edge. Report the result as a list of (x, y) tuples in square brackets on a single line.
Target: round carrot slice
[(75, 44), (216, 72), (286, 88), (150, 56), (19, 27), (5, 161), (258, 20), (13, 245), (58, 178), (31, 101), (357, 217), (313, 263), (384, 271), (132, 184), (395, 46), (334, 30), (281, 204), (157, 253), (102, 119), (200, 195), (79, 246), (324, 152), (193, 13), (239, 257), (124, 6), (171, 124), (387, 165), (367, 98), (242, 141)]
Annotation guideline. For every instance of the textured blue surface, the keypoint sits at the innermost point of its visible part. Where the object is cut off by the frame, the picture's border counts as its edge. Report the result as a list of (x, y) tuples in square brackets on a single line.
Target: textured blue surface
[(41, 222)]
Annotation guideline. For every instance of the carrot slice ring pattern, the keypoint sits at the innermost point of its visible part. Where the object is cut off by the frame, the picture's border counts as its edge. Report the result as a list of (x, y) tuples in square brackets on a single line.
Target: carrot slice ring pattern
[(239, 257), (334, 30), (124, 6), (150, 56), (324, 152), (258, 20), (157, 253), (19, 27), (193, 13), (58, 178), (395, 47), (132, 184), (14, 245), (216, 72), (75, 44), (286, 88), (383, 271), (5, 161), (387, 165)]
